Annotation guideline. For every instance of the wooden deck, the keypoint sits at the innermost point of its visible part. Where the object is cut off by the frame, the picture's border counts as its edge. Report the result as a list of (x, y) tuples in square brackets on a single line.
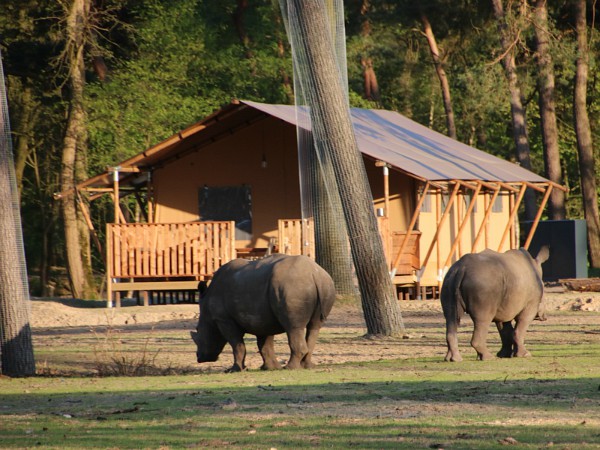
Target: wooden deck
[(156, 258)]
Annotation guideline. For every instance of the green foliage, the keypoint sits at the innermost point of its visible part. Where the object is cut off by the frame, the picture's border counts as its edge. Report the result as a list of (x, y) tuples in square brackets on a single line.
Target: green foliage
[(171, 63)]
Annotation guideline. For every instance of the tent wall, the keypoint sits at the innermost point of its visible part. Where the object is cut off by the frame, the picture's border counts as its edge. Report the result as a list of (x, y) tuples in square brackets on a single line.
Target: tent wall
[(234, 161)]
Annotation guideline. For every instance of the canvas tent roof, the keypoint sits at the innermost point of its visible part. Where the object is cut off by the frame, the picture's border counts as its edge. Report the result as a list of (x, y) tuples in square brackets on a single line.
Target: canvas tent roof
[(383, 135)]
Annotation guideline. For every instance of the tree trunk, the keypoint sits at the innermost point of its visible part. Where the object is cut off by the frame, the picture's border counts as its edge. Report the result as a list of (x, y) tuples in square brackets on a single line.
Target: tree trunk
[(28, 118), (331, 235), (519, 121), (370, 83), (332, 128), (548, 110), (73, 158), (583, 131), (16, 349), (441, 74)]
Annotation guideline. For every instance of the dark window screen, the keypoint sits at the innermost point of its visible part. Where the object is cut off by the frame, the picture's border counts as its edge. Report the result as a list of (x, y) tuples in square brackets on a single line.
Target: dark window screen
[(228, 203)]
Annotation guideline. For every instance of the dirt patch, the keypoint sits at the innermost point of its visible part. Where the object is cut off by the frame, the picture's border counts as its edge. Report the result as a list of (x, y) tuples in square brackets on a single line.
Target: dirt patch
[(87, 328), (50, 313)]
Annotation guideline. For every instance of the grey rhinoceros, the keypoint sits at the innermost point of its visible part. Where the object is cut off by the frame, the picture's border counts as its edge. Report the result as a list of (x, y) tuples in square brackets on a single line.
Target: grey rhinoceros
[(273, 295), (494, 287)]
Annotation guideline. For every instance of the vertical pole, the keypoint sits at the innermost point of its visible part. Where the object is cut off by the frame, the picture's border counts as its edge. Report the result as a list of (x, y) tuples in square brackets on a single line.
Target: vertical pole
[(116, 193)]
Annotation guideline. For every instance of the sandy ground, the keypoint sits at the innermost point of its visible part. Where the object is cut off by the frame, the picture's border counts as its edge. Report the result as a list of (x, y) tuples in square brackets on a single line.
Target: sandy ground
[(59, 313), (73, 336)]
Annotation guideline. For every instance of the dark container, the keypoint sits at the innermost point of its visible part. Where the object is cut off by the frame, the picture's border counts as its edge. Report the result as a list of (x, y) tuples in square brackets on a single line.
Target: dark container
[(568, 247)]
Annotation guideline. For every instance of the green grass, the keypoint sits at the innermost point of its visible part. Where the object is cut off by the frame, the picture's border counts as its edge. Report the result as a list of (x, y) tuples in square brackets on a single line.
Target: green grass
[(550, 400)]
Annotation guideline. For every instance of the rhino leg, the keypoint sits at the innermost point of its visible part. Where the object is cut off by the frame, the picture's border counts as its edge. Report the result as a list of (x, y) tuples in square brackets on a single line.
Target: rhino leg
[(298, 348), (520, 330), (453, 353), (235, 337), (312, 333), (266, 348), (478, 340), (507, 334)]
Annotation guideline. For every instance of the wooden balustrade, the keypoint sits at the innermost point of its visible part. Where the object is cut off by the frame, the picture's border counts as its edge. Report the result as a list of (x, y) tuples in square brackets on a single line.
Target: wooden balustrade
[(159, 256)]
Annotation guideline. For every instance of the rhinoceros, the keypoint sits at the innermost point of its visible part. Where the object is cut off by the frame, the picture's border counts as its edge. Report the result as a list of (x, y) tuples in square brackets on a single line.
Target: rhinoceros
[(494, 287), (273, 295)]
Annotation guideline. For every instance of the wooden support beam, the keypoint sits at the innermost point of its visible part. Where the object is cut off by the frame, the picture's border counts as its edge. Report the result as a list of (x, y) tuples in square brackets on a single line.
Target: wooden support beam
[(512, 215), (486, 217), (536, 221), (463, 224), (442, 220), (411, 227)]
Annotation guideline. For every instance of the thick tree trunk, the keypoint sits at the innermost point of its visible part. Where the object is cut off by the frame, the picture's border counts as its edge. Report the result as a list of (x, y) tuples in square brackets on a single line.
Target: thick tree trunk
[(519, 121), (548, 110), (583, 131), (16, 349), (73, 159), (331, 235), (332, 127), (441, 74)]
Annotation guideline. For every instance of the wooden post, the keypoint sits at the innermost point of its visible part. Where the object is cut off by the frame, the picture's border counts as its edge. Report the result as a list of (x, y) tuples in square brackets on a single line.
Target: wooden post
[(117, 210), (512, 215), (486, 217), (386, 186), (536, 221), (442, 220), (462, 226), (411, 226)]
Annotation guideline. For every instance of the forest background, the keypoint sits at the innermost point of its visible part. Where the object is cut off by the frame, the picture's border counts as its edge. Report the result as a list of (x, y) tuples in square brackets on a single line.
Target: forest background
[(91, 83)]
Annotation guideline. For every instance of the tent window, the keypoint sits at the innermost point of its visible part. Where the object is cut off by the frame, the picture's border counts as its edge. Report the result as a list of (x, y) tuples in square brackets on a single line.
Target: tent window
[(426, 206), (228, 203), (468, 198), (498, 206)]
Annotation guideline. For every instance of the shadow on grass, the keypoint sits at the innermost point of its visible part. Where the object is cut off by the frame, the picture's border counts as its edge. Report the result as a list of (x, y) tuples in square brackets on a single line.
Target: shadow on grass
[(338, 414)]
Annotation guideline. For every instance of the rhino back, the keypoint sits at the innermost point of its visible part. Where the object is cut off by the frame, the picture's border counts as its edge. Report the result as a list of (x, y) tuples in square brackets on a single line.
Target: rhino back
[(499, 283), (266, 296), (300, 291)]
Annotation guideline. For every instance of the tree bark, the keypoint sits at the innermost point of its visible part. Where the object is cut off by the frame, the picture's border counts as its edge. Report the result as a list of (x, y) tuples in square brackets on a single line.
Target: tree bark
[(585, 148), (519, 121), (371, 86), (332, 128), (441, 74), (548, 110), (16, 349), (73, 157)]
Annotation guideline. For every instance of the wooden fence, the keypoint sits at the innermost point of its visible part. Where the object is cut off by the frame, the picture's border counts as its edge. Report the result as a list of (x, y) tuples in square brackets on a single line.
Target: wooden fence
[(149, 257), (158, 256)]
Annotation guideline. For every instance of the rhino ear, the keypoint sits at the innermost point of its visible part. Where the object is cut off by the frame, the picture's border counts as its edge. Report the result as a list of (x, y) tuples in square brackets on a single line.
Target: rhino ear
[(543, 254)]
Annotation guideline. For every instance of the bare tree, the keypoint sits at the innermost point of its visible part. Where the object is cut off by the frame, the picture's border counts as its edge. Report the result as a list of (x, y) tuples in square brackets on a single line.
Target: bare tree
[(16, 349), (370, 83), (74, 153), (332, 128), (548, 109), (585, 148), (441, 74), (508, 41)]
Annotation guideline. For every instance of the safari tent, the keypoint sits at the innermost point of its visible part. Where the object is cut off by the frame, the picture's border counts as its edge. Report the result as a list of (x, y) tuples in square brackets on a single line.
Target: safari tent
[(228, 186)]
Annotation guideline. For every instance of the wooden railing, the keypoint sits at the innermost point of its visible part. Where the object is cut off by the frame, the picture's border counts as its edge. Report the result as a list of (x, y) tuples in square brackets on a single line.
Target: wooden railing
[(165, 253), (296, 237)]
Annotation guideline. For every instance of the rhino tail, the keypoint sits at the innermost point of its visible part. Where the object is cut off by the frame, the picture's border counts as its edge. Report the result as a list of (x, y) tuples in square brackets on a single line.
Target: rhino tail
[(453, 303)]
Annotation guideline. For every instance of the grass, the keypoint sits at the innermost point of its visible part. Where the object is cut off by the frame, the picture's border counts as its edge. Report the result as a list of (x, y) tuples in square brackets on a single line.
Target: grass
[(551, 400), (545, 401)]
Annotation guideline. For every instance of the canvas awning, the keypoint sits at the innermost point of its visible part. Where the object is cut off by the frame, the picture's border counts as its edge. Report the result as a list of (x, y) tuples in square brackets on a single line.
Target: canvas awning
[(407, 145), (382, 135)]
